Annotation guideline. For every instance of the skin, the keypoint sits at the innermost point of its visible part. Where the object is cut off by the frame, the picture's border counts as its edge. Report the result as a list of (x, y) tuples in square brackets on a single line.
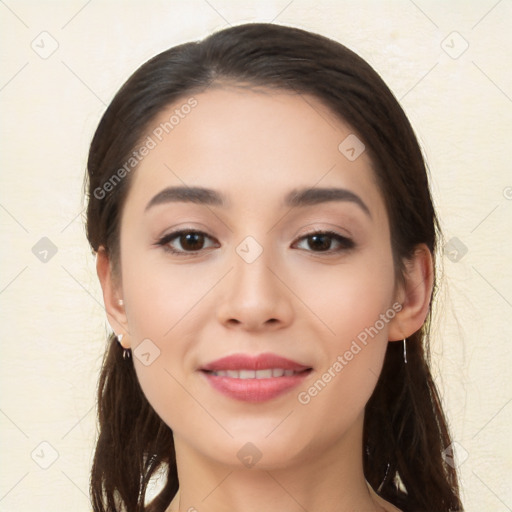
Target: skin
[(254, 147)]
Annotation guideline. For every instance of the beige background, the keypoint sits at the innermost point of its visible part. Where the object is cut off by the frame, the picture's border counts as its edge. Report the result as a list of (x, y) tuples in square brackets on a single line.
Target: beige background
[(53, 324)]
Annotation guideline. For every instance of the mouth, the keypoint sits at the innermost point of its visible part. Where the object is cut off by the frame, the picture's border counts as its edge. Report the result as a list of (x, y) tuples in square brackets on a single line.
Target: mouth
[(269, 373), (254, 378)]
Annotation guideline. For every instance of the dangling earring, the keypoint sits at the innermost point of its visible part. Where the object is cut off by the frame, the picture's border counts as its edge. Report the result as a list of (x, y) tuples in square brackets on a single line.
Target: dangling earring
[(405, 350), (126, 351)]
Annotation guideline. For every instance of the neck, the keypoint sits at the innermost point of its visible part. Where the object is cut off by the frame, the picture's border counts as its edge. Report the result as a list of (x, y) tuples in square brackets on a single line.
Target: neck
[(331, 480)]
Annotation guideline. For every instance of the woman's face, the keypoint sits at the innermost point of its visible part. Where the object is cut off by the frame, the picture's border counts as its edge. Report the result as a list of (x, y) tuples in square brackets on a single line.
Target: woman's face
[(285, 255)]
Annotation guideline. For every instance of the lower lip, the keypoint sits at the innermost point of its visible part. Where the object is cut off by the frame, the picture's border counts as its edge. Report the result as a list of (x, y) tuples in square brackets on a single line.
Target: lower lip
[(255, 390)]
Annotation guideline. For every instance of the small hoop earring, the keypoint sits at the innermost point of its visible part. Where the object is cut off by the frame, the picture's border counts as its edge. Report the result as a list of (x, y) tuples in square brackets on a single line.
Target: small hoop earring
[(405, 350)]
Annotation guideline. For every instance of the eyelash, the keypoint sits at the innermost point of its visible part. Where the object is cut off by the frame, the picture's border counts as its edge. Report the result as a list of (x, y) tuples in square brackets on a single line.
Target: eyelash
[(344, 242)]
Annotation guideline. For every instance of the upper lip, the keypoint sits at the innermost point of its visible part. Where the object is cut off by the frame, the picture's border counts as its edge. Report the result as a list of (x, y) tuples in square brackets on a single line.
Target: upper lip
[(254, 362)]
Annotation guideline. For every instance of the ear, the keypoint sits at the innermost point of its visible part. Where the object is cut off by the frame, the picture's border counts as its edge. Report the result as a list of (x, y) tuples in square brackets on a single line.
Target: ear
[(414, 294), (112, 296)]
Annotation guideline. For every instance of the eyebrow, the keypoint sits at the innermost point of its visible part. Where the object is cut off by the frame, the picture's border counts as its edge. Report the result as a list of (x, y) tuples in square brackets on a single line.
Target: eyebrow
[(296, 198), (312, 196), (197, 195)]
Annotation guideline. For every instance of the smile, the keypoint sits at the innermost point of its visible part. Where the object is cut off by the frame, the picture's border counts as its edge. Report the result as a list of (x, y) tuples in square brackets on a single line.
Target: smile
[(254, 379), (255, 374)]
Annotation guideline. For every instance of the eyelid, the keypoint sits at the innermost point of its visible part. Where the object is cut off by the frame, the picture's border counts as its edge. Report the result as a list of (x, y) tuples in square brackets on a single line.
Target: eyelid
[(314, 226)]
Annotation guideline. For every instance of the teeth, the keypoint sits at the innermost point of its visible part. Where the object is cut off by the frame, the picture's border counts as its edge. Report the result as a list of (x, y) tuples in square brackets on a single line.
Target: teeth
[(264, 374), (254, 374)]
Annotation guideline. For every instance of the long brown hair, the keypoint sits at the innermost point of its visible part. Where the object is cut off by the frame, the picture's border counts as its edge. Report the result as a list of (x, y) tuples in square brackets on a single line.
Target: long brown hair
[(405, 430)]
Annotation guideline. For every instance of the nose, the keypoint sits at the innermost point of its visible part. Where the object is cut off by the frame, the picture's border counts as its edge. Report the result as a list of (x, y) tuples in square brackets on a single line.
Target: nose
[(255, 297)]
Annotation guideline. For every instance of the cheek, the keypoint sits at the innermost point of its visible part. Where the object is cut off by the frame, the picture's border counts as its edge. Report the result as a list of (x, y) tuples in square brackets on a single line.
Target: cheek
[(161, 296), (355, 303), (358, 315), (348, 299), (165, 309)]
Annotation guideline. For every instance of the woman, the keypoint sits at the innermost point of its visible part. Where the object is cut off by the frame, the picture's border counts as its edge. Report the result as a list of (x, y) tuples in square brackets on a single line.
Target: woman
[(264, 232)]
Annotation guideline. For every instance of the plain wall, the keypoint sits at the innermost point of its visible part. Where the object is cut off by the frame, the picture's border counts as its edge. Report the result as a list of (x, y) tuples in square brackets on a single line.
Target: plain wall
[(53, 325)]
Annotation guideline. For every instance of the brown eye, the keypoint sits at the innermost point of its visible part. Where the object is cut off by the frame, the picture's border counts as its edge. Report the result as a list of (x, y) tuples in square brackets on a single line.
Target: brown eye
[(183, 242), (320, 242), (192, 241), (325, 241)]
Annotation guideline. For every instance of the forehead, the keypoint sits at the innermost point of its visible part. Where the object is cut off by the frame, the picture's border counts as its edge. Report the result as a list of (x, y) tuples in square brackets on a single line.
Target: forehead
[(259, 143)]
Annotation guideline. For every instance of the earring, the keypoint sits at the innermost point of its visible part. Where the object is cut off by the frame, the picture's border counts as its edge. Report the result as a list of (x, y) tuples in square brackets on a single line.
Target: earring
[(405, 350), (120, 302), (126, 351)]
